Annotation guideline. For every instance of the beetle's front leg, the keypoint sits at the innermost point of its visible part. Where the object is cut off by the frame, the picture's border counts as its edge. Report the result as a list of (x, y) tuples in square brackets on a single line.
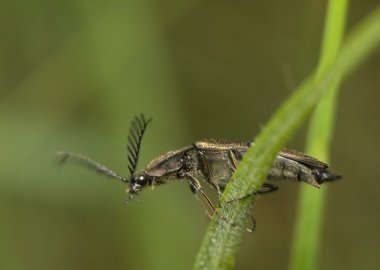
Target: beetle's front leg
[(193, 190), (196, 186)]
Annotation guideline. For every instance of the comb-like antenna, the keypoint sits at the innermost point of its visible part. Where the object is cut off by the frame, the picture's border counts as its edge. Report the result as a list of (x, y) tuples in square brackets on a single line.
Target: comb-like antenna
[(136, 132)]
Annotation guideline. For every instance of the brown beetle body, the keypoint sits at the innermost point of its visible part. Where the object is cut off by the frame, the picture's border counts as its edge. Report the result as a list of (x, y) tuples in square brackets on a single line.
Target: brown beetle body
[(214, 161)]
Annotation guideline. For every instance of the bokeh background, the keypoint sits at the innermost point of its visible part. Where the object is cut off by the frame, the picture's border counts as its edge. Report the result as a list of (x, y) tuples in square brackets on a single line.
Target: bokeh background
[(74, 73)]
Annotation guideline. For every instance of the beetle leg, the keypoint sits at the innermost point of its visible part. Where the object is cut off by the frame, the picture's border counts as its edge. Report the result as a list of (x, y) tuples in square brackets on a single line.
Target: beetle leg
[(198, 188), (209, 175), (193, 190), (252, 229), (265, 188), (233, 159), (195, 186), (220, 193)]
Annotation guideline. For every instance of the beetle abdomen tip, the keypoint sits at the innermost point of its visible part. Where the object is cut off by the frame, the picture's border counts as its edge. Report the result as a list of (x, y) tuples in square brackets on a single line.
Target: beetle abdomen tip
[(326, 176)]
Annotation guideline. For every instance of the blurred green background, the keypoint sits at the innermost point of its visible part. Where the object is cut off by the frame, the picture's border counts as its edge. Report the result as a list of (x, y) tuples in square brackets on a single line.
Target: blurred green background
[(74, 73)]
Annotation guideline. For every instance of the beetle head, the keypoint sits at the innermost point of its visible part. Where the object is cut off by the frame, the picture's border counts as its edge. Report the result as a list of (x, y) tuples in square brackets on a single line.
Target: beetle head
[(137, 181)]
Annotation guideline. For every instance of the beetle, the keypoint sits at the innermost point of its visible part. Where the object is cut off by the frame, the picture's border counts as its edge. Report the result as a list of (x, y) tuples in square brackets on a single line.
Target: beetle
[(211, 161)]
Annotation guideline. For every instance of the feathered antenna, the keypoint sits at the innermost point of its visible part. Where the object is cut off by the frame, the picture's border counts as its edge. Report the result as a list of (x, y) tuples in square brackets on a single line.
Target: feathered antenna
[(136, 133)]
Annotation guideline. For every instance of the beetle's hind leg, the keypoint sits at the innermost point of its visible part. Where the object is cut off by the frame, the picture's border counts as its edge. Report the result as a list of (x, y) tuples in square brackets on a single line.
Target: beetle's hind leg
[(253, 227), (265, 188)]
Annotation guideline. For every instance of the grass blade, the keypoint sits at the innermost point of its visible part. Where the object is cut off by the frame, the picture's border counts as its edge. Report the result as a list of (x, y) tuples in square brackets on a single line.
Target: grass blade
[(308, 223), (222, 238)]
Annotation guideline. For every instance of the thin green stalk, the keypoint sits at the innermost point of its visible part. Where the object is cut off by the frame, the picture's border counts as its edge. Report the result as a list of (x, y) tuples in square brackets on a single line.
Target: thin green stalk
[(308, 223), (223, 238)]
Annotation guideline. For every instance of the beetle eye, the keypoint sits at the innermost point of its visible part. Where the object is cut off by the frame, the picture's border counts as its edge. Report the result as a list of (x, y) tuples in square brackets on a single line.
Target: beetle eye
[(141, 180)]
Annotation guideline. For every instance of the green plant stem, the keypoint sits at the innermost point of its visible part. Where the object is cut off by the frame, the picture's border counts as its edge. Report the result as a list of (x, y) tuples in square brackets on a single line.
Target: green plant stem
[(308, 223), (225, 231)]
